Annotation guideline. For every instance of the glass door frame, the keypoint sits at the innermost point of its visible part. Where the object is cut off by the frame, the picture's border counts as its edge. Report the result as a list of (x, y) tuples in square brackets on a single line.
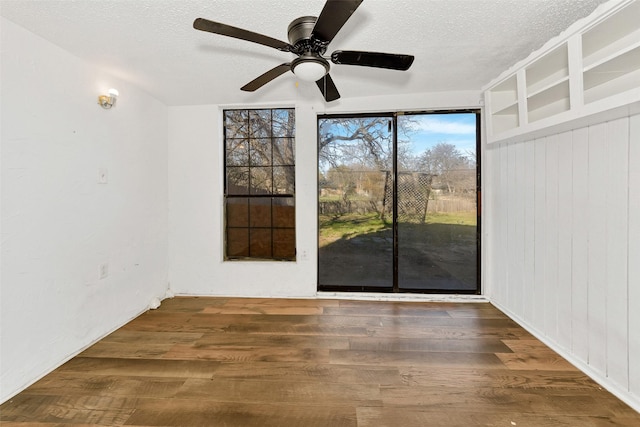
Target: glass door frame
[(395, 288)]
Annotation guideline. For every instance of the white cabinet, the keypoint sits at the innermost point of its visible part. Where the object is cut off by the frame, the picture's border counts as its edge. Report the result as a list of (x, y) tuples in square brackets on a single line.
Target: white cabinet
[(594, 67)]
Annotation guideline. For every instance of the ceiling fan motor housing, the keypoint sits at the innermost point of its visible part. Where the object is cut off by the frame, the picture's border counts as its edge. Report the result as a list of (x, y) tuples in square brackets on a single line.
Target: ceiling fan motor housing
[(299, 33)]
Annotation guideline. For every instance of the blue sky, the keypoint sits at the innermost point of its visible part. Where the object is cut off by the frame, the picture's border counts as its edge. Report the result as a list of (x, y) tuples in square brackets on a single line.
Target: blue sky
[(427, 130)]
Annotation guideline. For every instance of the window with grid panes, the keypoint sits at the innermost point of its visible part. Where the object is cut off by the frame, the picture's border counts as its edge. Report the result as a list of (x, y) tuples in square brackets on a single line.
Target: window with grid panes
[(260, 184)]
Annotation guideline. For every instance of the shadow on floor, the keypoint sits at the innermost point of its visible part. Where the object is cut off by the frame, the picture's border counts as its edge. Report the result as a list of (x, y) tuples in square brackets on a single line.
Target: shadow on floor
[(431, 257)]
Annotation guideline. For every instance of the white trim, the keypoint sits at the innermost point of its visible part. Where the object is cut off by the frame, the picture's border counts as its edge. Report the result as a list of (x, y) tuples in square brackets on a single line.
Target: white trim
[(362, 296), (76, 353), (401, 297), (624, 395)]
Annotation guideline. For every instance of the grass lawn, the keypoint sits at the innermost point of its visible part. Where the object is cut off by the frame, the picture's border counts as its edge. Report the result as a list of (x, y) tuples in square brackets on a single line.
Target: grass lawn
[(460, 218), (349, 226)]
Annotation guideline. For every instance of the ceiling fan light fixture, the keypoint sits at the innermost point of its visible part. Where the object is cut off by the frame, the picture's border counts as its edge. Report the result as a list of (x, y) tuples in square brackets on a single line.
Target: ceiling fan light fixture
[(308, 40), (310, 69)]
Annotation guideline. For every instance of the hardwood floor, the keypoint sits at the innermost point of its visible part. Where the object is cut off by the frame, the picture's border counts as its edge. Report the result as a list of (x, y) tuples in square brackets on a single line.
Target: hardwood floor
[(329, 363)]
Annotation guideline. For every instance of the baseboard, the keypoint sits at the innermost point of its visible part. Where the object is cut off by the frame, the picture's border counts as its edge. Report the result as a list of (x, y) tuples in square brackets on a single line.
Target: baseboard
[(374, 296), (361, 296), (625, 395), (55, 366)]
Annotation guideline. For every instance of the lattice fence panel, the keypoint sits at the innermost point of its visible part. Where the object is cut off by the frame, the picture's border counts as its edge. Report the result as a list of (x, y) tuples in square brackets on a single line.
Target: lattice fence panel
[(414, 189)]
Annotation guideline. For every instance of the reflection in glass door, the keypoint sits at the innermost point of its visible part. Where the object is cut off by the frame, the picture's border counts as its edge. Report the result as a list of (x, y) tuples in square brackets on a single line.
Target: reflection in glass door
[(397, 203)]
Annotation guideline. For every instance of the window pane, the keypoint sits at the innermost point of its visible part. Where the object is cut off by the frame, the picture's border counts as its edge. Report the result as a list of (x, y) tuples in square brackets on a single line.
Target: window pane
[(237, 180), (260, 212), (284, 151), (284, 180), (238, 212), (261, 152), (260, 123), (261, 243), (284, 212), (353, 180), (284, 243), (236, 124), (237, 152), (261, 180), (284, 123), (238, 242)]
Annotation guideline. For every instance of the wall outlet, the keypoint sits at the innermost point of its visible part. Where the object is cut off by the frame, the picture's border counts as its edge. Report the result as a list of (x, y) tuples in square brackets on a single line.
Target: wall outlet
[(104, 270), (304, 255), (103, 176)]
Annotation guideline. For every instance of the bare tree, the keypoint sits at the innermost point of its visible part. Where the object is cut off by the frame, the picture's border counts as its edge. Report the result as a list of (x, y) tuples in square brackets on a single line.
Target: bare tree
[(262, 144), (363, 141), (454, 169)]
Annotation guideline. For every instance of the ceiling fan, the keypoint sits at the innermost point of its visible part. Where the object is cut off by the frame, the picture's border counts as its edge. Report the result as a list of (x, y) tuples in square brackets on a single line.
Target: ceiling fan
[(308, 39)]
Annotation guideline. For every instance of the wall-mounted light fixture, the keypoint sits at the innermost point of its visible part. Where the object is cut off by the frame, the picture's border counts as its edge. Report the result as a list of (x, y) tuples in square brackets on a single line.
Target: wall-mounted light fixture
[(108, 101)]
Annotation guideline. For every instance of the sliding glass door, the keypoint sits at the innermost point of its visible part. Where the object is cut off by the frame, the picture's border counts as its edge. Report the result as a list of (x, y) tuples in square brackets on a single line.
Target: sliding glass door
[(355, 163), (397, 202), (436, 203)]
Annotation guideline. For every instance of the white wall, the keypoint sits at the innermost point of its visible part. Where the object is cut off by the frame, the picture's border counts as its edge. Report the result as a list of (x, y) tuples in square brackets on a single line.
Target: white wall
[(58, 224), (196, 214), (196, 265), (563, 245)]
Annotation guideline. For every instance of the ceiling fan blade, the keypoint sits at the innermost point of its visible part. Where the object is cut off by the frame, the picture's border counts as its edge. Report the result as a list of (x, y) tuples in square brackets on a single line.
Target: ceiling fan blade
[(333, 16), (229, 31), (328, 88), (262, 80), (391, 61)]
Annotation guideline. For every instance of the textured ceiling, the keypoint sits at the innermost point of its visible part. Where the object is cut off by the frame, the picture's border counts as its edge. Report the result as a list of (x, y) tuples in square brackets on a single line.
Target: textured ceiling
[(458, 44)]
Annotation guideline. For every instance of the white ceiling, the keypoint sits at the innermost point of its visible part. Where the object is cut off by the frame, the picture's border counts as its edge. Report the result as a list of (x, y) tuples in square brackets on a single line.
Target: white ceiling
[(458, 44)]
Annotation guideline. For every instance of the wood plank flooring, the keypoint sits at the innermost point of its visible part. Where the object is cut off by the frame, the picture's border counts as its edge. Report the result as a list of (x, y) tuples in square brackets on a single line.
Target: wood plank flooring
[(285, 362)]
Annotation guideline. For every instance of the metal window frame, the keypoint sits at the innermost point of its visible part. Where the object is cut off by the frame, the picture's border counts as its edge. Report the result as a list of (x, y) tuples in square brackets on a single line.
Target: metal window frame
[(248, 196)]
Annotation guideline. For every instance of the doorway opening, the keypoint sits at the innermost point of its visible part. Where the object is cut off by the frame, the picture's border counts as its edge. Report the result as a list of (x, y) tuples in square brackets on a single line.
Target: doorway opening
[(398, 203)]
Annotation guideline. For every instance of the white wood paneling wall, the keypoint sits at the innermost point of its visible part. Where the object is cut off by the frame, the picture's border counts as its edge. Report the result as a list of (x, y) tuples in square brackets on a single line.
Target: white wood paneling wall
[(634, 255), (563, 245)]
